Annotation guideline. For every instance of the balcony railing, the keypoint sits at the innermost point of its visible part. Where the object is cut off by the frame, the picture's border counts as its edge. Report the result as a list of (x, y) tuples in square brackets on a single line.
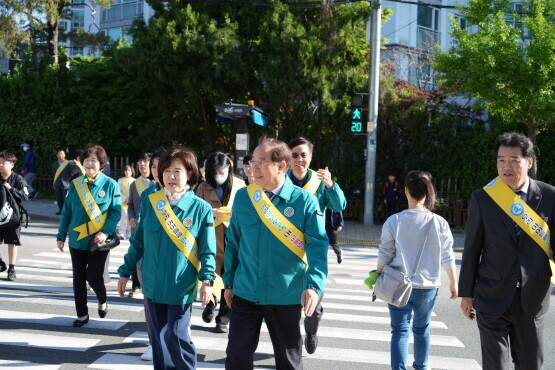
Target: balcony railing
[(427, 38)]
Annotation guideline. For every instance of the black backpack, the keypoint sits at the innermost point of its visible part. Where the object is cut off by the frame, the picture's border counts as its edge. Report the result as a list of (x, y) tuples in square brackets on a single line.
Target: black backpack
[(12, 213)]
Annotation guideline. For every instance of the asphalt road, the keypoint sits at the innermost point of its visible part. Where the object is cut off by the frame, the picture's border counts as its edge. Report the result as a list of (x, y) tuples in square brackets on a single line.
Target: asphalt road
[(37, 310)]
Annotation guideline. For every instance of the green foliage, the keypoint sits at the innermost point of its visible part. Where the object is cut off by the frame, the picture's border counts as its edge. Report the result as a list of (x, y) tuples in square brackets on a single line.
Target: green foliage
[(509, 70)]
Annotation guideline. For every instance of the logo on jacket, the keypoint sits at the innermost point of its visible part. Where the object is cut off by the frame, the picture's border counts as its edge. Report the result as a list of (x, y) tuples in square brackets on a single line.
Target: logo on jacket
[(257, 196), (289, 211), (101, 193), (160, 205), (517, 209), (187, 222)]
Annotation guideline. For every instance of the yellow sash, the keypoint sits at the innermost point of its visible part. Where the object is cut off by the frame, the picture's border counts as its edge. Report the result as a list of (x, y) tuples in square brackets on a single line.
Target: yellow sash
[(97, 219), (180, 236), (140, 185), (278, 225), (59, 170), (313, 184), (236, 185), (522, 215), (78, 164)]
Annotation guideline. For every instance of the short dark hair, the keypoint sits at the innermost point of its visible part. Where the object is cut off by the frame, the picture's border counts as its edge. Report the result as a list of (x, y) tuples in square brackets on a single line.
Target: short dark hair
[(187, 157), (247, 159), (144, 157), (514, 139), (8, 157), (301, 141), (419, 185), (155, 155), (96, 150), (279, 152)]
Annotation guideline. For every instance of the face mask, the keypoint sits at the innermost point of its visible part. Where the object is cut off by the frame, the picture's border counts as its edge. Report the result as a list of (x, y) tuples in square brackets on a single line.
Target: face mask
[(25, 148), (220, 179)]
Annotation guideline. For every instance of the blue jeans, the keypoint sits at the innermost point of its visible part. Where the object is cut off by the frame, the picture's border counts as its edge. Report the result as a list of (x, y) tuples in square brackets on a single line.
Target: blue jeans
[(421, 302)]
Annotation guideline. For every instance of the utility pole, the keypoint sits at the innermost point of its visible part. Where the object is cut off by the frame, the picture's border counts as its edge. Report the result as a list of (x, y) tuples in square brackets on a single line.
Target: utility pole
[(372, 125)]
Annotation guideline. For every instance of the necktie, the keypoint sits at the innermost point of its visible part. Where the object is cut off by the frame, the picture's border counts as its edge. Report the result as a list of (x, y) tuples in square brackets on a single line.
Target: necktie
[(269, 194), (518, 229)]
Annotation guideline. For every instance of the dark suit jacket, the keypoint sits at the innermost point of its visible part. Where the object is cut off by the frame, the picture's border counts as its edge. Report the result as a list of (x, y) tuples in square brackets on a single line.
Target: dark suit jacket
[(494, 258)]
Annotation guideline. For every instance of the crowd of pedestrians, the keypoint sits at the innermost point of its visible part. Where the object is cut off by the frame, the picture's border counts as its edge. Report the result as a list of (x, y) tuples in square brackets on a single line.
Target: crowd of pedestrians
[(255, 248)]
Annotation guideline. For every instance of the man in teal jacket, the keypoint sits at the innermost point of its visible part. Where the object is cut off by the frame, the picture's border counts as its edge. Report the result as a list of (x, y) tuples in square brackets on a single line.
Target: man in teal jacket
[(330, 196), (266, 273)]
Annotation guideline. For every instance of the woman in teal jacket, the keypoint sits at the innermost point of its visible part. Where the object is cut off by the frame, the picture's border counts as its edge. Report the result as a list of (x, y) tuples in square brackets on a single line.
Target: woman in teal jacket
[(173, 222), (75, 219)]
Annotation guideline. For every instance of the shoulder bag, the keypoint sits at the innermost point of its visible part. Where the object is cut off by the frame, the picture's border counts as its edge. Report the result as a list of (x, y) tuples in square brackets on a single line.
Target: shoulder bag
[(395, 287)]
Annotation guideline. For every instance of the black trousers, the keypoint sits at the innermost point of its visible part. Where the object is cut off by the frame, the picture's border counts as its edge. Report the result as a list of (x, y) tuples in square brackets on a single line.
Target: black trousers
[(513, 334), (89, 267), (60, 196), (224, 313), (244, 333)]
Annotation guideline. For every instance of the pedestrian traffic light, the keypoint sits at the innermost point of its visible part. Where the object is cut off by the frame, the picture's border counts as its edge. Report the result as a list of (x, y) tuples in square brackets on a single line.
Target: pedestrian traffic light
[(356, 116)]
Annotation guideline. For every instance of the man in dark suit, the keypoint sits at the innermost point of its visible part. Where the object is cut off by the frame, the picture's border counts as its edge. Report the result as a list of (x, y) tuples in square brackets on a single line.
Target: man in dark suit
[(505, 275)]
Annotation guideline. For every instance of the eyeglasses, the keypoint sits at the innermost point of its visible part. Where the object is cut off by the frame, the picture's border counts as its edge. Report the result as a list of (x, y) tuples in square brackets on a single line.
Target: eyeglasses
[(255, 164), (303, 155)]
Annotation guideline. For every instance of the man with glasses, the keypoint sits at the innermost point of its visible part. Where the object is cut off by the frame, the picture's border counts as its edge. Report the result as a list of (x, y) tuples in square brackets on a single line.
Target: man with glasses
[(275, 260), (329, 195)]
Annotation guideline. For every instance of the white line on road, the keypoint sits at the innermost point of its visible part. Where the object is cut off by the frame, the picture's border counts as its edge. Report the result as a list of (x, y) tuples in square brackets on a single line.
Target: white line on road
[(59, 320), (69, 343)]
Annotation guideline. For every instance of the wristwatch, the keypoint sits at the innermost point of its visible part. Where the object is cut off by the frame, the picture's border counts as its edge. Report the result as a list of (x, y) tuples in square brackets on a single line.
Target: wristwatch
[(208, 282)]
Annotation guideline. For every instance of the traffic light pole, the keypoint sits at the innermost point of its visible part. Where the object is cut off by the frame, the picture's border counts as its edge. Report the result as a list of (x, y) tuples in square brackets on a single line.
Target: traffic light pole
[(372, 125)]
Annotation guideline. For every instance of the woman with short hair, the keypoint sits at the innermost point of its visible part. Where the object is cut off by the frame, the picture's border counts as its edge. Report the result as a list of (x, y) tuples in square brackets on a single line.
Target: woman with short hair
[(92, 210)]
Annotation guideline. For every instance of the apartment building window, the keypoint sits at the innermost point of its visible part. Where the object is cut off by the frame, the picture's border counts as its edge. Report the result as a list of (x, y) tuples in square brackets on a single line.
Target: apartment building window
[(78, 19), (515, 8), (427, 27), (123, 9), (117, 33)]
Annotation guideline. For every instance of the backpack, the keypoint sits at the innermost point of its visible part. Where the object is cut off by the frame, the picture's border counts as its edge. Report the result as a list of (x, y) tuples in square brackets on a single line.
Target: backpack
[(12, 213)]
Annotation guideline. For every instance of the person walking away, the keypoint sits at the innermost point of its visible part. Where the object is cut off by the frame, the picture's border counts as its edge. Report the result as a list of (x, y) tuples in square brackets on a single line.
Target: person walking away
[(403, 236), (29, 167), (16, 186), (334, 225), (92, 210), (391, 193), (505, 270)]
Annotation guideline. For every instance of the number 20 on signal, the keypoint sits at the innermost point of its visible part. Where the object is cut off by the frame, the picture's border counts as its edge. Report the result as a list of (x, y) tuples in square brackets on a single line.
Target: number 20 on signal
[(356, 126)]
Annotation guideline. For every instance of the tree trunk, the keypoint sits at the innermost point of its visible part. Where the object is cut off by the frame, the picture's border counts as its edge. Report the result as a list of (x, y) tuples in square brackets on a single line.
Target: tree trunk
[(53, 34)]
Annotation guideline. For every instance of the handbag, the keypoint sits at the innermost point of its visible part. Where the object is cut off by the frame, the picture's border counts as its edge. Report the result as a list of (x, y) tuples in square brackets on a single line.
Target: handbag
[(395, 287), (111, 242), (10, 213)]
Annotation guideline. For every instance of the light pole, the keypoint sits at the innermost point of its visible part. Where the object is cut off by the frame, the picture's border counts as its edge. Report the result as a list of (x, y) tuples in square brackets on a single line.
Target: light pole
[(372, 124)]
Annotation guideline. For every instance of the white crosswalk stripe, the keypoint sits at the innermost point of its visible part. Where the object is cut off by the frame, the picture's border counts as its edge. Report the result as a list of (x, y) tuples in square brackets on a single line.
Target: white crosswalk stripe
[(354, 332)]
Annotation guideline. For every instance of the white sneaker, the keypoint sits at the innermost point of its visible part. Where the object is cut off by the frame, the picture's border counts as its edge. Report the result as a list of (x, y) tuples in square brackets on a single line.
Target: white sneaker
[(147, 356)]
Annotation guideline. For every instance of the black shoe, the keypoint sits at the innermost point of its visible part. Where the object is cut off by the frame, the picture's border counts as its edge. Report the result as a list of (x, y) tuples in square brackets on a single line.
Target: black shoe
[(102, 313), (208, 314), (310, 343), (340, 257), (11, 275), (58, 213), (78, 323), (221, 328), (2, 266)]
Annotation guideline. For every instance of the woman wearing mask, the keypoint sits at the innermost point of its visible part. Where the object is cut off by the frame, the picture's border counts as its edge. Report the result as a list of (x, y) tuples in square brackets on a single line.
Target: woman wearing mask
[(88, 195), (219, 191), (175, 239), (403, 235)]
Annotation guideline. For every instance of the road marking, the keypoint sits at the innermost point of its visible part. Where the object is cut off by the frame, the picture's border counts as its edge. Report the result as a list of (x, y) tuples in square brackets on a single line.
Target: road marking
[(65, 342), (40, 299), (59, 320), (67, 256), (21, 365)]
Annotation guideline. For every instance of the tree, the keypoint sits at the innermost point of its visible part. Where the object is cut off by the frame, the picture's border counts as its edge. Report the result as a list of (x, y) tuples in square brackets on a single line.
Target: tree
[(506, 60), (37, 15)]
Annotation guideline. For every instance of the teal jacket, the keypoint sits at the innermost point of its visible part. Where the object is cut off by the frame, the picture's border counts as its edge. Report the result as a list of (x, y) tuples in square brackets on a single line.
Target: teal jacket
[(258, 267), (168, 277), (106, 194), (332, 198)]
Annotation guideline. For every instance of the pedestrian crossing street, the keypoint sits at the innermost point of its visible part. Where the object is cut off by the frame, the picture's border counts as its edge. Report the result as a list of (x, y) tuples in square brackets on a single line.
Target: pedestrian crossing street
[(38, 309)]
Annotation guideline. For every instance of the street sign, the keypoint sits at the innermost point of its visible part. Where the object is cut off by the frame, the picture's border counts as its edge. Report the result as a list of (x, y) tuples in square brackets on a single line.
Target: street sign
[(233, 110)]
